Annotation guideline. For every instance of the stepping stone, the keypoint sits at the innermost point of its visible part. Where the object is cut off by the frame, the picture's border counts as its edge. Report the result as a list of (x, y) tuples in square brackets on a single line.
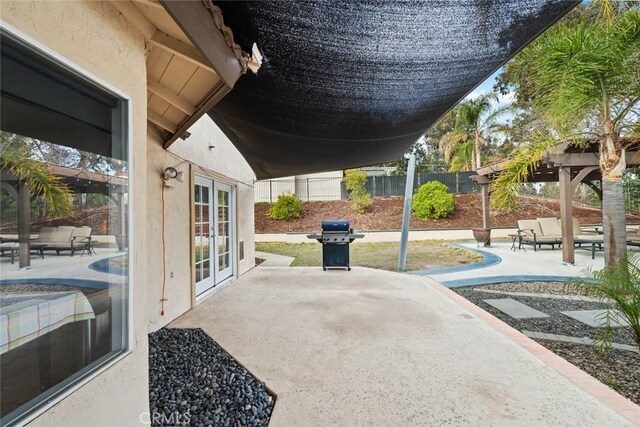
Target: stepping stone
[(515, 309), (596, 318)]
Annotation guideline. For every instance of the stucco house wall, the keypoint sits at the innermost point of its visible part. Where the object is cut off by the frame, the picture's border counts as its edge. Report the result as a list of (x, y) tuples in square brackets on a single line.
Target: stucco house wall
[(74, 29), (192, 156), (97, 38)]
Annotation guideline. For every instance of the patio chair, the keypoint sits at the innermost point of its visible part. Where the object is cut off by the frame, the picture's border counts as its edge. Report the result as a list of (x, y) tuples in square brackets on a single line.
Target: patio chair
[(530, 232), (61, 238), (80, 240), (633, 237)]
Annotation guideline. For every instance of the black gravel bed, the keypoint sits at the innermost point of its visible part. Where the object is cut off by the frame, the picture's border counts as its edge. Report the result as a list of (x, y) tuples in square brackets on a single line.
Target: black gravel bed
[(194, 381), (554, 288), (618, 369), (556, 323)]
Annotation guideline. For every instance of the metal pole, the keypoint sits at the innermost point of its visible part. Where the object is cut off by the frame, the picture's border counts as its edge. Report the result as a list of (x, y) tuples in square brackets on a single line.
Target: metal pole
[(406, 215)]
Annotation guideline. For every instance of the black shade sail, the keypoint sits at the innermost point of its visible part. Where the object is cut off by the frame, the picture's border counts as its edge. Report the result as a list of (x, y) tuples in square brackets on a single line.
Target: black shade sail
[(355, 83)]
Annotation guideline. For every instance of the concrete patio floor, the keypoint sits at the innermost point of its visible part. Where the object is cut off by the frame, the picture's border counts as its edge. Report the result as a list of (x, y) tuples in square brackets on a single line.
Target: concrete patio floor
[(369, 347)]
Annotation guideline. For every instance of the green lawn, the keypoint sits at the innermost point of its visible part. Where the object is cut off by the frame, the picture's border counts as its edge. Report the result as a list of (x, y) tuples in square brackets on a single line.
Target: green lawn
[(420, 255)]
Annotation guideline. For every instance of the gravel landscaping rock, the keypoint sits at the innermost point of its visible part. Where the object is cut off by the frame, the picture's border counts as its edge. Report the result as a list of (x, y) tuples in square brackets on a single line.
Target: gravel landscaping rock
[(556, 323), (554, 288), (618, 369), (194, 381)]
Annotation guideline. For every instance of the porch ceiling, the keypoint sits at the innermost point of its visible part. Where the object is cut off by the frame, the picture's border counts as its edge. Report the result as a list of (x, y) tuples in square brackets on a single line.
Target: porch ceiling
[(183, 82), (347, 84)]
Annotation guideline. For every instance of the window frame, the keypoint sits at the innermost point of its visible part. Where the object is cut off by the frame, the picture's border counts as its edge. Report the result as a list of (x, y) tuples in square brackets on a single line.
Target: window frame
[(77, 381)]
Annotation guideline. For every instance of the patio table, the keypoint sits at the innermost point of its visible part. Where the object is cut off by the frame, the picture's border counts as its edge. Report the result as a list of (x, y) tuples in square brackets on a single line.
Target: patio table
[(25, 317), (593, 241)]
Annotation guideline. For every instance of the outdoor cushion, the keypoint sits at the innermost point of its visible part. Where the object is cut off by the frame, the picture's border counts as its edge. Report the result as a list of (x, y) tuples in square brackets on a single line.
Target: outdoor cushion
[(634, 235), (550, 227), (62, 234), (46, 234), (526, 225), (576, 227)]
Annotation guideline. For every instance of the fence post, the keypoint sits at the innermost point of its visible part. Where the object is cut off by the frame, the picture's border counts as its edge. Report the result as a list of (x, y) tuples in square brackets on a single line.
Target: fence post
[(457, 183), (270, 192), (307, 189)]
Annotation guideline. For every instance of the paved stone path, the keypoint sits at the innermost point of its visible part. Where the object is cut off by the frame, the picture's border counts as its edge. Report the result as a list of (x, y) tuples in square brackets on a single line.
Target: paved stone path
[(575, 340), (596, 318), (515, 309)]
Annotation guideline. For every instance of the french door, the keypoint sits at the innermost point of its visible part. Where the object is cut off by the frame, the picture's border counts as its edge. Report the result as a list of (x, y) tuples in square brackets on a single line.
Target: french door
[(213, 206)]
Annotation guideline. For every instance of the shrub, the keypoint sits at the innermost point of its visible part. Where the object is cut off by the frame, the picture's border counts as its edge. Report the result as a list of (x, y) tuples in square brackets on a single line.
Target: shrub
[(286, 207), (432, 201), (355, 181), (618, 286)]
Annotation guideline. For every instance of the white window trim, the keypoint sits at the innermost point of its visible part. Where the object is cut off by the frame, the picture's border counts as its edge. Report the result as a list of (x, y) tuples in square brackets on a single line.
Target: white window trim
[(84, 74)]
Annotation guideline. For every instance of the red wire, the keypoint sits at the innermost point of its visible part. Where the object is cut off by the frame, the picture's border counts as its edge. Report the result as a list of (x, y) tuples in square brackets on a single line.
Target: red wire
[(164, 261)]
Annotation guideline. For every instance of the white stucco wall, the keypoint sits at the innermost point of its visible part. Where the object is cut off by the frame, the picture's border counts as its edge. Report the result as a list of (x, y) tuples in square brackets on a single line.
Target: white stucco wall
[(222, 163), (97, 38)]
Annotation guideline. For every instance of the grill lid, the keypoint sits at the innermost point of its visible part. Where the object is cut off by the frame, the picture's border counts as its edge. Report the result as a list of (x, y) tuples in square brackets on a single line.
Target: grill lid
[(335, 225)]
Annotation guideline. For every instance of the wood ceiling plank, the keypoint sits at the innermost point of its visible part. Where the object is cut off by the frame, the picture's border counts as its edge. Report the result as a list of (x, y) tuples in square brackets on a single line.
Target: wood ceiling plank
[(171, 97), (198, 86), (176, 47), (162, 122), (157, 62), (177, 74)]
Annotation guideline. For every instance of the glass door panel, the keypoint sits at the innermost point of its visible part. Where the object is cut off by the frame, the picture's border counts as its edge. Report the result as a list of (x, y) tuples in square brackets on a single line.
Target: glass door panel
[(223, 208), (203, 235)]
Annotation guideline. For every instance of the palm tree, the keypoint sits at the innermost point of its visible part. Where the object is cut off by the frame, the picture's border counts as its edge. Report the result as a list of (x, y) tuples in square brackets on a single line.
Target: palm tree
[(15, 158), (577, 72), (475, 120)]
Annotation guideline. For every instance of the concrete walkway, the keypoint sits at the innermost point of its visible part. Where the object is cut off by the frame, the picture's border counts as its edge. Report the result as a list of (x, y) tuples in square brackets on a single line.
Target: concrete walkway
[(274, 260), (518, 265), (369, 347)]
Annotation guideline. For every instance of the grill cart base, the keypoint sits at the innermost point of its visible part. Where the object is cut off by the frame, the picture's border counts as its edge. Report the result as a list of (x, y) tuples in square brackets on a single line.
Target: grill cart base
[(335, 238)]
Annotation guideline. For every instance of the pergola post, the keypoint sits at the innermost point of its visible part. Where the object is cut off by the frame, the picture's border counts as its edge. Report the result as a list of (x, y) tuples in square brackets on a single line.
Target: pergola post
[(24, 225), (486, 203), (566, 215)]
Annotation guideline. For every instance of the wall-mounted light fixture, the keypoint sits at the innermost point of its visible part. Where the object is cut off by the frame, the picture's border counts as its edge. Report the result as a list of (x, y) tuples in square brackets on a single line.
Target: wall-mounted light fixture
[(172, 173)]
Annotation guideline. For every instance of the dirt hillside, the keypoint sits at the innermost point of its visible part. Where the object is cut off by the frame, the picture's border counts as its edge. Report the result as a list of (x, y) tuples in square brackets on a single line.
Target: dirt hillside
[(386, 215)]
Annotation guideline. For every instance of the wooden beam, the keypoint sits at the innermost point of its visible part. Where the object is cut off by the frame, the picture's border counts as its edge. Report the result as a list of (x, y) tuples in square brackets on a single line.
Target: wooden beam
[(150, 3), (486, 203), (581, 176), (158, 120), (135, 17), (9, 189), (171, 97), (587, 159), (183, 50), (566, 215), (214, 96), (198, 24)]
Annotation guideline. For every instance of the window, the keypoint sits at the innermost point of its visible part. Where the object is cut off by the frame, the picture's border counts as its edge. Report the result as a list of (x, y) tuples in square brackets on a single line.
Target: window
[(63, 228)]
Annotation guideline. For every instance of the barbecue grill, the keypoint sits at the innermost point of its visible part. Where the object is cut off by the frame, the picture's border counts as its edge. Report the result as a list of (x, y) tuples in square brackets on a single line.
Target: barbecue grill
[(335, 238)]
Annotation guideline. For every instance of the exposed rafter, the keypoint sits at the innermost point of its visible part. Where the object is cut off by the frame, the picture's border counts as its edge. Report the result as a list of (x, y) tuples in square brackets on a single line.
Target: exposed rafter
[(160, 121), (171, 97)]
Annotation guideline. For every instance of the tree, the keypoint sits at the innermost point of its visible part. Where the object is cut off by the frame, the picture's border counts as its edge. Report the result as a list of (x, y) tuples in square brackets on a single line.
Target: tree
[(15, 158), (475, 120), (584, 76)]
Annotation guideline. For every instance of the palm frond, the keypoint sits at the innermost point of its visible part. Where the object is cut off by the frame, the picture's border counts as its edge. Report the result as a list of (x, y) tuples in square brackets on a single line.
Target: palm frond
[(504, 190), (618, 286), (38, 178)]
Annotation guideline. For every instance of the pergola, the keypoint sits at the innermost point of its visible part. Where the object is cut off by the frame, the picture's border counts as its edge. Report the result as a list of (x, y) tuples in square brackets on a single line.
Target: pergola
[(79, 181), (567, 164)]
